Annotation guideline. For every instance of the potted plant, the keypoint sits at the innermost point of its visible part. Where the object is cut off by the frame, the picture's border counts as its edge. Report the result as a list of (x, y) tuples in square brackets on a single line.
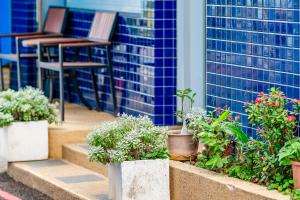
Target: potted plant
[(289, 154), (181, 142), (24, 117), (137, 154)]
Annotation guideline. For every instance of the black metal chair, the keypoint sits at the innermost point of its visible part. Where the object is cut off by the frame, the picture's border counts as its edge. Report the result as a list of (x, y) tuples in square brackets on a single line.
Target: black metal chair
[(53, 27), (100, 34)]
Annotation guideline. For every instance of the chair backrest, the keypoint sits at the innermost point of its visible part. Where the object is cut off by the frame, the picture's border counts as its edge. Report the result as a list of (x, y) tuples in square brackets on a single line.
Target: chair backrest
[(55, 20), (103, 26)]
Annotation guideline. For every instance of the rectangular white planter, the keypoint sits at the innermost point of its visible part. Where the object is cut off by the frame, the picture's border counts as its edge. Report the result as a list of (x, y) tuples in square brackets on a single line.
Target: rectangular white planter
[(26, 141), (3, 150), (139, 180)]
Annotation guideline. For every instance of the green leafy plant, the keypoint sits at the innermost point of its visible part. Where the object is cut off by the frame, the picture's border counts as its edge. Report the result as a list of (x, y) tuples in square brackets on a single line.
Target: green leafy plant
[(183, 95), (261, 158), (264, 160), (28, 104), (275, 122), (290, 152), (5, 119), (218, 132), (126, 139)]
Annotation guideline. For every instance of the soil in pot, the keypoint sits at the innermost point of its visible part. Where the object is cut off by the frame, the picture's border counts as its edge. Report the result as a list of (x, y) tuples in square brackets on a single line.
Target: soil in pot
[(182, 147), (296, 174)]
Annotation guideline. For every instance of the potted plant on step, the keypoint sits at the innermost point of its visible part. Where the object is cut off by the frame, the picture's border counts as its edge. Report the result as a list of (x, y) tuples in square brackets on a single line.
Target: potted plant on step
[(24, 118), (181, 142), (289, 154), (137, 154)]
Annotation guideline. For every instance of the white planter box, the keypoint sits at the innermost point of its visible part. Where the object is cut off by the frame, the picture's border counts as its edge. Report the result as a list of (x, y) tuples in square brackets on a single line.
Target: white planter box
[(26, 141), (139, 180), (3, 150)]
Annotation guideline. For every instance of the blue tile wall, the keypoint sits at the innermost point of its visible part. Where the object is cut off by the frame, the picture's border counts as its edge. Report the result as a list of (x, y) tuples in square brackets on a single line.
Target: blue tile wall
[(143, 57), (252, 45), (23, 20)]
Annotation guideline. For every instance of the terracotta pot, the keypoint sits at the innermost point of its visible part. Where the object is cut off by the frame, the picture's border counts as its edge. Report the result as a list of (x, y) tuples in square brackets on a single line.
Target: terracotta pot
[(182, 147), (296, 174)]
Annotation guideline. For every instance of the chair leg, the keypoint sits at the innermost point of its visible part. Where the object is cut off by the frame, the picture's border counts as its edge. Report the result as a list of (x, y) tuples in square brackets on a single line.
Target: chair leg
[(113, 90), (61, 96), (40, 78), (19, 73), (1, 78), (69, 88), (51, 87), (112, 82), (18, 63), (95, 86), (82, 99)]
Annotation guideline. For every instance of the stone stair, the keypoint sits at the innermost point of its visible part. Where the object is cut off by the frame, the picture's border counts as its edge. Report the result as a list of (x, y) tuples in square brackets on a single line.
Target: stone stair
[(73, 177), (78, 154), (68, 174)]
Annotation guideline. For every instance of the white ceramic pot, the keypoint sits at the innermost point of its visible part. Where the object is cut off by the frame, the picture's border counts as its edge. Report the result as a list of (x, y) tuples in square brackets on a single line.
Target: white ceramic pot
[(3, 150), (27, 141), (142, 179)]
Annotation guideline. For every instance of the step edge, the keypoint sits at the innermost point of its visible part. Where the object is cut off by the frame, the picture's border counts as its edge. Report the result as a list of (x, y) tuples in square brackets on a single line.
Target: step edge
[(71, 194), (90, 165)]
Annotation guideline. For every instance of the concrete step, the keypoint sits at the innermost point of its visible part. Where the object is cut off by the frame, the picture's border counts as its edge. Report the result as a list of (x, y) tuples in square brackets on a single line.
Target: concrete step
[(78, 124), (78, 154), (61, 179)]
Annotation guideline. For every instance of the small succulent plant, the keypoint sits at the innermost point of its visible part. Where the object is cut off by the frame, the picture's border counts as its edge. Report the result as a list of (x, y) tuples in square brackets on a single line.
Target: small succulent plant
[(28, 104), (128, 138)]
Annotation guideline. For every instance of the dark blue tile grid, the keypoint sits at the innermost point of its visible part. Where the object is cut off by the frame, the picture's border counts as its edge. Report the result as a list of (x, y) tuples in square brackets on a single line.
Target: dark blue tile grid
[(23, 20), (251, 46), (143, 58)]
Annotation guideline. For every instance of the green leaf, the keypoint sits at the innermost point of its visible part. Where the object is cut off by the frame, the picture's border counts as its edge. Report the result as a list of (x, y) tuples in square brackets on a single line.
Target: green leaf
[(236, 132), (203, 124), (221, 118)]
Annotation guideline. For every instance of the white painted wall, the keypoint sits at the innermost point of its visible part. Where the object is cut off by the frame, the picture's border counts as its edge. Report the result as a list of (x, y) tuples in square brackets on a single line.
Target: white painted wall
[(191, 47)]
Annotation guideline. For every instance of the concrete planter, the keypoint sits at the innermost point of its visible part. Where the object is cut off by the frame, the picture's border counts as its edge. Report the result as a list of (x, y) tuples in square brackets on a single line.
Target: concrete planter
[(136, 180), (25, 141), (3, 150), (188, 182)]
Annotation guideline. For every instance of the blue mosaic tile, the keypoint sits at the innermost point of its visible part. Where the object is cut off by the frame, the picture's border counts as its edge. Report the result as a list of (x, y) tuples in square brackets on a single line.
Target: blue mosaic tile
[(251, 46), (23, 20)]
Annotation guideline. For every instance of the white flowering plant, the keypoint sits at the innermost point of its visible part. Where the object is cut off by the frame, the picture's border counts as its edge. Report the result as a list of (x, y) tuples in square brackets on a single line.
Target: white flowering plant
[(126, 139), (28, 104)]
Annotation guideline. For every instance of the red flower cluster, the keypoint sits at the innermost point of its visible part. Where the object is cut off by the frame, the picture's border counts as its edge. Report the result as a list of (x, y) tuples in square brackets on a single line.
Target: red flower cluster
[(258, 100), (291, 118)]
